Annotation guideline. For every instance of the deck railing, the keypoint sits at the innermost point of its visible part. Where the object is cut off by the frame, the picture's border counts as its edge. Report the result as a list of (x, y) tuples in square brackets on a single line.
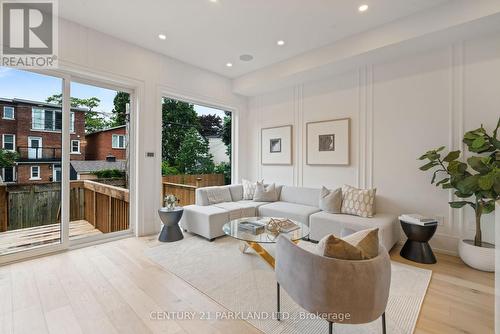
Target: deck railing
[(104, 206), (184, 186)]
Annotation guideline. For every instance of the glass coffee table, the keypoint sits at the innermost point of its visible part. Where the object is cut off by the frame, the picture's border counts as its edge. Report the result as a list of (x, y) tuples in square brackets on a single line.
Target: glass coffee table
[(254, 241)]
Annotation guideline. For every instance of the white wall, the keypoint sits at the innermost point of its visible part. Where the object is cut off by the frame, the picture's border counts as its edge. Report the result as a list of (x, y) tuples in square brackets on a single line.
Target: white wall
[(399, 110), (87, 51)]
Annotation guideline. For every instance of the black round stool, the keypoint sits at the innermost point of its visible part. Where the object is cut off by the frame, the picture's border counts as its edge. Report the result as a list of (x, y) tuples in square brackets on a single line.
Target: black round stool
[(417, 247)]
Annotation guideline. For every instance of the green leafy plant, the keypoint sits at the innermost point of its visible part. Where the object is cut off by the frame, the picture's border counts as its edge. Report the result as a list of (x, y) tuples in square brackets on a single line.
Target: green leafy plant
[(224, 168), (166, 169), (8, 158), (110, 174), (477, 182)]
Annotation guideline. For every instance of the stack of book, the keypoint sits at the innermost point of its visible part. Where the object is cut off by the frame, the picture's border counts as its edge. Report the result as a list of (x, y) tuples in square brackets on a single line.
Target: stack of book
[(414, 218), (252, 227)]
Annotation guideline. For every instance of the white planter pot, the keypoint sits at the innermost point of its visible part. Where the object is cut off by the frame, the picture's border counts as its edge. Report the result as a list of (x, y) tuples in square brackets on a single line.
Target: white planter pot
[(480, 258)]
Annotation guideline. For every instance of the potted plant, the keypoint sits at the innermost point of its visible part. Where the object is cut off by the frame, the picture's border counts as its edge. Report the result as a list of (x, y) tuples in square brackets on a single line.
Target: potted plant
[(170, 201), (476, 183)]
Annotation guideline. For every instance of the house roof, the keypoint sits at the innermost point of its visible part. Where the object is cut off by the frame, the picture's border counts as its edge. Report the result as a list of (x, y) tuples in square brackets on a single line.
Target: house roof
[(40, 104), (108, 129), (90, 166)]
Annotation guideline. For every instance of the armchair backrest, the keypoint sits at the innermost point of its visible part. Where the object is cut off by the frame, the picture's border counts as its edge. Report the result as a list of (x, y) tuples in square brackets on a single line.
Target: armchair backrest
[(355, 290)]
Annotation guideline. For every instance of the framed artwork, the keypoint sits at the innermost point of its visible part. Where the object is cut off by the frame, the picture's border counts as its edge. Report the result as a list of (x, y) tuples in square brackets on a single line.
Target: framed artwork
[(276, 145), (328, 142)]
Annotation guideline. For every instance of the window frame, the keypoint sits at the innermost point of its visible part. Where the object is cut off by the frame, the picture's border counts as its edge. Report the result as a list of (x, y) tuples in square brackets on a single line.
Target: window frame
[(39, 172), (13, 142), (53, 113), (14, 174), (56, 167), (71, 147), (13, 112), (116, 135)]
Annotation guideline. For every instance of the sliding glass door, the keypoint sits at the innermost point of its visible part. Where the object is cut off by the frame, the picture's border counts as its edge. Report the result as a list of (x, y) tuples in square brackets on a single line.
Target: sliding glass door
[(64, 162), (31, 154)]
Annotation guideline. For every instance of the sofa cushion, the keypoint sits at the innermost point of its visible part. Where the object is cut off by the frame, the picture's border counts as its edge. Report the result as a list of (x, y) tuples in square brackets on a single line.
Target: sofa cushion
[(299, 195), (361, 245), (248, 189), (218, 195), (236, 192), (251, 204), (293, 211), (236, 210), (359, 202), (330, 200), (324, 223), (265, 193)]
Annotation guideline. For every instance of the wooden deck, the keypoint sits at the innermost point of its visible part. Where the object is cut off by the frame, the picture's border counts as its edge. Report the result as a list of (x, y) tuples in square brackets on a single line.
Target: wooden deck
[(16, 240)]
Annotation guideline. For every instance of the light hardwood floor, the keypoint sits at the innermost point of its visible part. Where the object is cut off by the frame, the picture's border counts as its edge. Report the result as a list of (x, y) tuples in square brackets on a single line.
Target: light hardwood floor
[(113, 288)]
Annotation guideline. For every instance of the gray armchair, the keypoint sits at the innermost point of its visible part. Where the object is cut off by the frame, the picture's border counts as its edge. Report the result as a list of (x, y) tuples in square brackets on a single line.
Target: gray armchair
[(332, 287)]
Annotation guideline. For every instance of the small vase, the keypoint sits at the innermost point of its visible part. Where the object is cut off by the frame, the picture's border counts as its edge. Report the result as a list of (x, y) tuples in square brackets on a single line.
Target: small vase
[(170, 206)]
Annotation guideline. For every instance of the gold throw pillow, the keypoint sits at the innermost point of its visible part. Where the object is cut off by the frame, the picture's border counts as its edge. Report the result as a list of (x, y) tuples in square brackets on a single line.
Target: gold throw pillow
[(361, 245)]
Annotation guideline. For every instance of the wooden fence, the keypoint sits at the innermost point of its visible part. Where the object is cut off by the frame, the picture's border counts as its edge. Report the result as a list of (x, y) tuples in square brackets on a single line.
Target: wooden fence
[(184, 186), (104, 206)]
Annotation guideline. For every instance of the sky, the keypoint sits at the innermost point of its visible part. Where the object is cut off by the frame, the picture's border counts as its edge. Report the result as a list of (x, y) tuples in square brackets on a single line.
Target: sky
[(31, 86)]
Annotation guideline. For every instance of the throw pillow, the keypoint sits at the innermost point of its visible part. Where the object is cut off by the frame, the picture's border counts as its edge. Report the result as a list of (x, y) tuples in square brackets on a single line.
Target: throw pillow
[(265, 194), (361, 245), (218, 195), (358, 202), (330, 201), (248, 189)]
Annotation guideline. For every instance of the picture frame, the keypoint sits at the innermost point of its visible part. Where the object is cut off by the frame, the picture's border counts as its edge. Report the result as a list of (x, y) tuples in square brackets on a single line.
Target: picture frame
[(328, 142), (276, 145)]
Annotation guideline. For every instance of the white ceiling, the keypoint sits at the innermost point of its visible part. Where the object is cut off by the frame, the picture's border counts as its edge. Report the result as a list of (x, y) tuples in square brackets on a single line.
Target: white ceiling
[(209, 35)]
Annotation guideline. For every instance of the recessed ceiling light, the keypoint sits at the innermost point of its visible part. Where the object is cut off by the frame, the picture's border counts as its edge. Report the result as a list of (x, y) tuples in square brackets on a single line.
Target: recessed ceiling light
[(280, 42), (162, 36), (246, 57), (363, 8), (229, 64), (214, 1)]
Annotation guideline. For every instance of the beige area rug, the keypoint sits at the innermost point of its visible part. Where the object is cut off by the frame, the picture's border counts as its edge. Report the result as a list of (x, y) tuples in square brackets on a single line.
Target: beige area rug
[(245, 283)]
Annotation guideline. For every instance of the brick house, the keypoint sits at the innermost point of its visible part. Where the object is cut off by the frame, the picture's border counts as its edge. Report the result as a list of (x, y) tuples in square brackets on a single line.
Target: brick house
[(33, 129), (103, 143)]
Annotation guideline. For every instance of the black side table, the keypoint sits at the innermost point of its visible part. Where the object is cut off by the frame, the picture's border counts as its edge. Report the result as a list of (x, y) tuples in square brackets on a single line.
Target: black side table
[(171, 230), (417, 248)]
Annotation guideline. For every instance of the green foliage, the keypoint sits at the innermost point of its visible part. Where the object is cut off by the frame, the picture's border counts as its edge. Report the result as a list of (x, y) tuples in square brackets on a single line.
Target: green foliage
[(210, 125), (224, 168), (93, 120), (193, 156), (477, 181), (178, 118), (110, 174), (226, 133), (120, 109), (166, 169), (7, 158)]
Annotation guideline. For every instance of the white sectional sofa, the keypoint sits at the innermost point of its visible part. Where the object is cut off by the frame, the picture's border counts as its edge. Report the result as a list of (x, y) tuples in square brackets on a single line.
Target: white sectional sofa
[(296, 203)]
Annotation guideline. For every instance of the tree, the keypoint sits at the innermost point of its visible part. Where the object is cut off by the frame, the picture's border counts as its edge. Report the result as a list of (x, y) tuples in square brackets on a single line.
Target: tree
[(178, 118), (120, 110), (7, 158), (194, 156), (211, 125), (93, 120), (226, 133)]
